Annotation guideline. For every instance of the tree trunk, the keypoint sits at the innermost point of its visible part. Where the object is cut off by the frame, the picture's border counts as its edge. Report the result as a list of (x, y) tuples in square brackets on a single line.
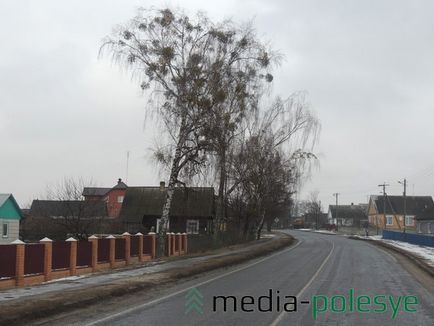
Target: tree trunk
[(261, 223), (174, 172), (220, 209), (260, 226)]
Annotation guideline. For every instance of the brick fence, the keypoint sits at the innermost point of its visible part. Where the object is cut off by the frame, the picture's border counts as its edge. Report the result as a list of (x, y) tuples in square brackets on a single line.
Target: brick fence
[(24, 264)]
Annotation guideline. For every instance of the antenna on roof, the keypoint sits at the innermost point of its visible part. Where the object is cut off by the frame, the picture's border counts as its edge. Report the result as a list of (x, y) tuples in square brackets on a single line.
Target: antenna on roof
[(128, 158)]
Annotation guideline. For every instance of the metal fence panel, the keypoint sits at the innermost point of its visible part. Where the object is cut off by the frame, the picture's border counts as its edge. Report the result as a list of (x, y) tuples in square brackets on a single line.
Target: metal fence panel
[(84, 253), (61, 254), (8, 255), (34, 258), (414, 238)]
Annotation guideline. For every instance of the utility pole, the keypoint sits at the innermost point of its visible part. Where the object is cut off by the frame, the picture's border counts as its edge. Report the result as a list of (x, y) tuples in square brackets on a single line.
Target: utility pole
[(384, 185), (404, 183), (336, 195)]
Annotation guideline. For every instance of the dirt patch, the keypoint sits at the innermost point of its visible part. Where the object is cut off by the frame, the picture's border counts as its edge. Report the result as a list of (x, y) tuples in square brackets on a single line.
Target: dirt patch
[(21, 311)]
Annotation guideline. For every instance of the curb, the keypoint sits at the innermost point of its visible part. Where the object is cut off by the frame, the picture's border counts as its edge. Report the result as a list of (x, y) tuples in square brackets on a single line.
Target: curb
[(415, 259), (21, 311)]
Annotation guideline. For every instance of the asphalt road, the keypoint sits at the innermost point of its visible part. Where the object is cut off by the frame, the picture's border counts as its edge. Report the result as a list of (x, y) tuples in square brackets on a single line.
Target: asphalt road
[(318, 265)]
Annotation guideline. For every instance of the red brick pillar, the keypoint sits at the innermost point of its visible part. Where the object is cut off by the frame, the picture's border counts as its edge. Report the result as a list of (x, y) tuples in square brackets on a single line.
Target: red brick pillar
[(153, 244), (127, 238), (173, 238), (19, 262), (72, 256), (179, 239), (112, 256), (48, 257), (185, 242), (140, 236), (94, 240), (168, 244)]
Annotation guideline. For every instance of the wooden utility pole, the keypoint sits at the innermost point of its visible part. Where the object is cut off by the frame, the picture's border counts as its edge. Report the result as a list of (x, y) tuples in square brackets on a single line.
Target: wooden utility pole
[(404, 183), (384, 185)]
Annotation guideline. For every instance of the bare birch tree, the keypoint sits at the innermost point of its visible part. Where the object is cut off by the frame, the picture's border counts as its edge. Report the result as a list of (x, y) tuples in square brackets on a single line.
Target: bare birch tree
[(189, 64)]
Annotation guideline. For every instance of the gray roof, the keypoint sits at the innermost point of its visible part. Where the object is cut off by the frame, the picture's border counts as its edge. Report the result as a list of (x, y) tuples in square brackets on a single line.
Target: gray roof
[(149, 201), (95, 191), (98, 191), (357, 212), (419, 206), (67, 208), (120, 185)]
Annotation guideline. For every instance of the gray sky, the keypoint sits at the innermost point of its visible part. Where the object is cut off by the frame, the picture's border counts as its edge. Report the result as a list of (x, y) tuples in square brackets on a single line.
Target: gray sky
[(367, 67)]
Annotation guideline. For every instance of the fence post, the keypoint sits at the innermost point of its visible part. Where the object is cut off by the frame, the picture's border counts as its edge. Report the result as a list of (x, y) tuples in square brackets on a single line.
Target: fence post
[(184, 244), (173, 243), (112, 250), (127, 238), (48, 257), (140, 235), (168, 244), (179, 240), (94, 262), (72, 256), (19, 262), (153, 244)]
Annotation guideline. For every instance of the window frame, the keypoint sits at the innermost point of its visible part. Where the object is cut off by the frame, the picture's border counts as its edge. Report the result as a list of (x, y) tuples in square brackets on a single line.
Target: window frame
[(195, 229), (407, 217), (120, 199), (387, 219), (5, 236)]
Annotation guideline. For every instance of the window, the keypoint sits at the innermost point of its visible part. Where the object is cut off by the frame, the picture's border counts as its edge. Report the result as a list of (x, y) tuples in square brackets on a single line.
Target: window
[(120, 199), (158, 225), (5, 230), (409, 220), (389, 219), (193, 226)]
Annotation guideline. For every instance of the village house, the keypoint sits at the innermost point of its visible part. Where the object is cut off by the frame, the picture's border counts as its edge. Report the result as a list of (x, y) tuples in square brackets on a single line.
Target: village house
[(58, 218), (113, 197), (388, 212), (425, 221), (10, 216), (348, 215), (192, 209)]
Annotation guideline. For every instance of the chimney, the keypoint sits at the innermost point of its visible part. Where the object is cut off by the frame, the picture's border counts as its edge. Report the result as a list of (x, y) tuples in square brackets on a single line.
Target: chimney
[(162, 185)]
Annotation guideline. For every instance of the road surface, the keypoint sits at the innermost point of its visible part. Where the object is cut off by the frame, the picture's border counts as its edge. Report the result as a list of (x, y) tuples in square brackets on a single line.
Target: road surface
[(318, 264)]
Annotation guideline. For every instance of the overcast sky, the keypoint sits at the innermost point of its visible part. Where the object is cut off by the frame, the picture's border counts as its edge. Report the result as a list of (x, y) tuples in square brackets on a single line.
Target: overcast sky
[(368, 68)]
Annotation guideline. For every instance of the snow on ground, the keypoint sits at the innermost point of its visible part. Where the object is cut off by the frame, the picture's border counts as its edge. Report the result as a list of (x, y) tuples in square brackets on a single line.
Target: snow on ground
[(68, 278), (424, 252), (324, 231), (267, 236)]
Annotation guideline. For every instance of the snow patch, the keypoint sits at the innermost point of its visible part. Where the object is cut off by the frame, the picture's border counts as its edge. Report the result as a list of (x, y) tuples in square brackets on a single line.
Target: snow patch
[(68, 278), (324, 231), (426, 253)]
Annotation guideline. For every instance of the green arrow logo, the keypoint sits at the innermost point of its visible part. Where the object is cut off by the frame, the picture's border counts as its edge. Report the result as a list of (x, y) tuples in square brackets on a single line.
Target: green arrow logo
[(194, 301)]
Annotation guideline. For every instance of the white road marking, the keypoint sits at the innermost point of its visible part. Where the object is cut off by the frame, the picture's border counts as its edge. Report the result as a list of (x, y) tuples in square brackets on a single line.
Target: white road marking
[(153, 302), (283, 313)]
